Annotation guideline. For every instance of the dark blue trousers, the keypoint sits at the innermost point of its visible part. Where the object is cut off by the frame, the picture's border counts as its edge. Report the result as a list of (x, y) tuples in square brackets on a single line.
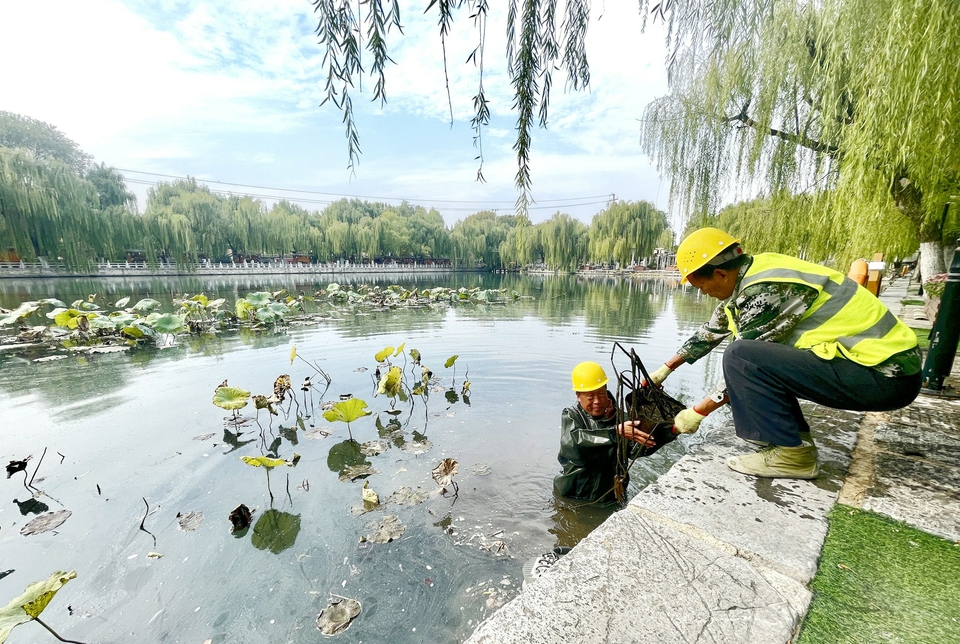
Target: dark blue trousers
[(765, 380)]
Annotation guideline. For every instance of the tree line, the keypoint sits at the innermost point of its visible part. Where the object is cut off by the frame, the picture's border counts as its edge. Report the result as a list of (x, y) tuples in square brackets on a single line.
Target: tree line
[(57, 204)]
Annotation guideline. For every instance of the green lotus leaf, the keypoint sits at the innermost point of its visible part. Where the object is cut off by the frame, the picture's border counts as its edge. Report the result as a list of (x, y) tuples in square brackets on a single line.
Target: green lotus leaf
[(383, 355), (146, 305), (166, 323), (260, 298), (89, 306), (133, 331), (243, 308), (200, 298), (31, 603), (67, 318), (275, 531), (123, 319), (332, 288), (450, 361), (216, 303), (22, 311), (347, 411), (230, 398), (415, 355), (390, 382), (262, 461), (52, 301), (102, 322), (122, 302)]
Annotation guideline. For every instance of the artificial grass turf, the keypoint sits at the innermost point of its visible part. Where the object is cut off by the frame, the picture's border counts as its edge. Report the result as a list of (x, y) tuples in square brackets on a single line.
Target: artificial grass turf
[(881, 580)]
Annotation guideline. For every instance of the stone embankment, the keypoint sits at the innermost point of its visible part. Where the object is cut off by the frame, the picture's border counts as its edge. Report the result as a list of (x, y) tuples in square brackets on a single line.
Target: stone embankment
[(709, 555)]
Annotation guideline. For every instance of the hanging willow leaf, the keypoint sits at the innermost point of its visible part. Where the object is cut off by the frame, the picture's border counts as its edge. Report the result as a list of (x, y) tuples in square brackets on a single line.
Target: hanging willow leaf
[(230, 398), (31, 603)]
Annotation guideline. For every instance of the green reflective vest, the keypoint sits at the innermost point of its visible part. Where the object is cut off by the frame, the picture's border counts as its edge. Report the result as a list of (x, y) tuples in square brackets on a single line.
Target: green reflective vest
[(845, 318)]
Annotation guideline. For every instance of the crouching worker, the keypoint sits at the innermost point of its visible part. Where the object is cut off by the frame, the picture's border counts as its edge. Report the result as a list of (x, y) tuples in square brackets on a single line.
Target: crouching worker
[(801, 331), (588, 438)]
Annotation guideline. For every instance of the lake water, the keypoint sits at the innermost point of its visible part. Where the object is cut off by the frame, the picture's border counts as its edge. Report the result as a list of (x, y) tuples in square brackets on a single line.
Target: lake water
[(129, 429)]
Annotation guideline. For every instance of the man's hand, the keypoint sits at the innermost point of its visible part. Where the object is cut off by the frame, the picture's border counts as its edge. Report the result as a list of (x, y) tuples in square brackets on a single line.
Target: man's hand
[(658, 376), (631, 431), (688, 421)]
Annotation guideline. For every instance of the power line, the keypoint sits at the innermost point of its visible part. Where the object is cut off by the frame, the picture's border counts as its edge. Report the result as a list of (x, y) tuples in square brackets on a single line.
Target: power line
[(492, 205)]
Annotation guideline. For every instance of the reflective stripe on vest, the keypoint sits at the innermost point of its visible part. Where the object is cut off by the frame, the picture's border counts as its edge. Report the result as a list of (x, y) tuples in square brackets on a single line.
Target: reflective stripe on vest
[(844, 318)]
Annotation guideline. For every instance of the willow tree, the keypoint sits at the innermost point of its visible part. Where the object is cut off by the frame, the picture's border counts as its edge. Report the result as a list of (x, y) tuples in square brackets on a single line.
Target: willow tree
[(565, 241), (42, 140), (853, 102), (539, 40), (626, 231)]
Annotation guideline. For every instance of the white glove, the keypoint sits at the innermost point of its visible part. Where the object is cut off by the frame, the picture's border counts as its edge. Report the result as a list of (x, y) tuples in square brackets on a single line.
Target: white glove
[(660, 375), (688, 421)]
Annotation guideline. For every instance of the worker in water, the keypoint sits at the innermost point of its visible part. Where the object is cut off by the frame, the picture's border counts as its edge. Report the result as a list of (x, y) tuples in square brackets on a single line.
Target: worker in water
[(800, 331), (588, 438)]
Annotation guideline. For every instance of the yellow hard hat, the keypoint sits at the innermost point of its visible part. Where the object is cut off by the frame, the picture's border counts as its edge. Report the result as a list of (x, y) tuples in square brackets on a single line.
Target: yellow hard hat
[(588, 376), (699, 248)]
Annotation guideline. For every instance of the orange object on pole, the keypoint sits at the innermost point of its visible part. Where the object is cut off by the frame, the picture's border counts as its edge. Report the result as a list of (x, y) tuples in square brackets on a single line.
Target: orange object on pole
[(858, 271)]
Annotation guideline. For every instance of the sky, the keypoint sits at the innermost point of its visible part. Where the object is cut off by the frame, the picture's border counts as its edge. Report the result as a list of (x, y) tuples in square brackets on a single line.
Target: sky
[(230, 92)]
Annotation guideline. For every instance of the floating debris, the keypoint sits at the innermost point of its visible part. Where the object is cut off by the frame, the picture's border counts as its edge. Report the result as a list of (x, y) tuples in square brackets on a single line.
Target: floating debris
[(337, 616), (390, 528), (189, 521), (154, 555), (45, 523), (203, 437), (374, 448), (408, 496), (240, 518), (480, 469), (49, 358), (416, 447), (318, 433), (17, 466), (353, 472)]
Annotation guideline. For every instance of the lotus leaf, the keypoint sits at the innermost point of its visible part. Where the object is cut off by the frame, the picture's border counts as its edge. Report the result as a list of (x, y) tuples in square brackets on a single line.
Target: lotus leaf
[(445, 471), (262, 402), (399, 351), (240, 518), (415, 447), (369, 495), (260, 298), (425, 374), (166, 323), (347, 411), (281, 386), (122, 302), (449, 363), (230, 398), (384, 354), (31, 603), (243, 309), (201, 299), (374, 448), (22, 311), (146, 305), (415, 355), (337, 616), (451, 396), (391, 382), (390, 528), (67, 318), (293, 353), (102, 322), (354, 472), (317, 433), (263, 461), (52, 301), (89, 306), (332, 288), (275, 531), (408, 496)]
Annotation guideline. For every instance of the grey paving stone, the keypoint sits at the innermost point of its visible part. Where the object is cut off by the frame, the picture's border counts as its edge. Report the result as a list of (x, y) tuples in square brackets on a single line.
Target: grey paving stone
[(778, 522), (635, 580), (921, 492)]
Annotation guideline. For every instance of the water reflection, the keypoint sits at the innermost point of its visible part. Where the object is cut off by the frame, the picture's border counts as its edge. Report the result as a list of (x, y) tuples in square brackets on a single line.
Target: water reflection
[(275, 531), (572, 520), (344, 455)]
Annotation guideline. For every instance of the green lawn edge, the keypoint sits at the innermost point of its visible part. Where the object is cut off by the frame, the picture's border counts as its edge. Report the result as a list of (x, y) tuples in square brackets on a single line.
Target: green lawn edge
[(881, 580)]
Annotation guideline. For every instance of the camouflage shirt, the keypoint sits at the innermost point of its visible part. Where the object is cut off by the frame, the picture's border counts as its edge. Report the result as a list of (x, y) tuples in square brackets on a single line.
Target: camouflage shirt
[(768, 311)]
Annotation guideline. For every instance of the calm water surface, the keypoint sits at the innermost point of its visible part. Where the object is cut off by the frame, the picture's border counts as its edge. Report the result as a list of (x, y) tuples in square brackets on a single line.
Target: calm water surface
[(141, 426)]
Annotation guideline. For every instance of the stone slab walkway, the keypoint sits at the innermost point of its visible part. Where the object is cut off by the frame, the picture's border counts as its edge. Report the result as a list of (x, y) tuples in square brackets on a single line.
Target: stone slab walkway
[(705, 554)]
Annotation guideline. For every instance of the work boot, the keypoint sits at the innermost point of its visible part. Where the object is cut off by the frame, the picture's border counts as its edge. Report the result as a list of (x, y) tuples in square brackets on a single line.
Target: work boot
[(804, 438), (775, 461)]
